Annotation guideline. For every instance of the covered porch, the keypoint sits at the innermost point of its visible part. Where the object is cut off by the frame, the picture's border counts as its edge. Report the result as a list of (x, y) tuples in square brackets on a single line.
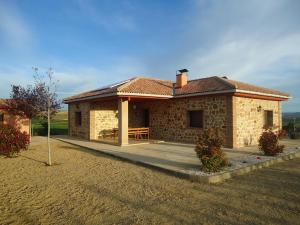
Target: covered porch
[(122, 120)]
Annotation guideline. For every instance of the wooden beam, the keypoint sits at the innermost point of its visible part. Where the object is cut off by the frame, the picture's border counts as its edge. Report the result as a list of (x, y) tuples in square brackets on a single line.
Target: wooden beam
[(142, 97)]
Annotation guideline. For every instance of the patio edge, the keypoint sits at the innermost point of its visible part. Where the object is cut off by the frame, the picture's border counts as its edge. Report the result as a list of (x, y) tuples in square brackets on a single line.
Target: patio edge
[(218, 178), (211, 179)]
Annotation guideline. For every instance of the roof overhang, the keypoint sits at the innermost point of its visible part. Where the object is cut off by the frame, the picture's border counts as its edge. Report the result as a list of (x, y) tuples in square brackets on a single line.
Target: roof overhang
[(118, 94), (282, 97), (236, 92)]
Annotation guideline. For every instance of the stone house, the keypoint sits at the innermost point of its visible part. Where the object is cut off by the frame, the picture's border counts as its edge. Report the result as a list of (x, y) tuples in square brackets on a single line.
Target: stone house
[(177, 111), (7, 118)]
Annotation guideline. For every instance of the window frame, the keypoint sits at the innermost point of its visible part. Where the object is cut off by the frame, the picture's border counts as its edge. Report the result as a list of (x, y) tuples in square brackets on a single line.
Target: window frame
[(189, 125), (78, 119), (267, 113)]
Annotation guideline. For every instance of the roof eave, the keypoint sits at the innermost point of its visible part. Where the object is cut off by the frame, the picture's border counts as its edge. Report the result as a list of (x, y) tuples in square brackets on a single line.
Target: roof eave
[(66, 101), (264, 94), (120, 94)]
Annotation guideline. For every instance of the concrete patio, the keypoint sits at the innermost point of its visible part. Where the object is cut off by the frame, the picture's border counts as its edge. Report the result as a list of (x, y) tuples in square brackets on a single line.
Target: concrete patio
[(180, 159)]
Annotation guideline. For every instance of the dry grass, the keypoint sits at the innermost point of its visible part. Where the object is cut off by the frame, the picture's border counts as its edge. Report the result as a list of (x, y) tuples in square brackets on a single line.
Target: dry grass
[(85, 187)]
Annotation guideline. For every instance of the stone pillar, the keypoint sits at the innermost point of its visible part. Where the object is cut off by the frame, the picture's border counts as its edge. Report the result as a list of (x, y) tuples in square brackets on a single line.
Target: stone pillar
[(93, 135), (123, 121), (69, 119), (280, 115), (231, 132)]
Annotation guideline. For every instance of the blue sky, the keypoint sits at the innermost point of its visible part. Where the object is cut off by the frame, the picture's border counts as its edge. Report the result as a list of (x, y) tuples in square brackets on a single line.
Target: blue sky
[(93, 43)]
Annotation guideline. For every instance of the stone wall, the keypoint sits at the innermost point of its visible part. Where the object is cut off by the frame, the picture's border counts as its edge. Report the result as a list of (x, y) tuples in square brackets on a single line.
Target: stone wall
[(104, 117), (82, 131), (169, 118), (238, 118), (23, 124), (250, 120)]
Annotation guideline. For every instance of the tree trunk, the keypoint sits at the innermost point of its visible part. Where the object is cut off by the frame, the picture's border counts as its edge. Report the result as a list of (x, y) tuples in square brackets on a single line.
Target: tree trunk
[(31, 126), (30, 130), (48, 139)]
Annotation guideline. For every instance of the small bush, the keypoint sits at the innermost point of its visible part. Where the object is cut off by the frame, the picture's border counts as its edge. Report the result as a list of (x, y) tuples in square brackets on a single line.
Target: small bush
[(281, 133), (294, 135), (208, 150), (292, 130), (268, 143), (12, 140)]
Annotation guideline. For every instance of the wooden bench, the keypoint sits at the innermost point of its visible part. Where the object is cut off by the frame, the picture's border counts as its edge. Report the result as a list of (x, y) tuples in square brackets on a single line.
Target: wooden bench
[(138, 132)]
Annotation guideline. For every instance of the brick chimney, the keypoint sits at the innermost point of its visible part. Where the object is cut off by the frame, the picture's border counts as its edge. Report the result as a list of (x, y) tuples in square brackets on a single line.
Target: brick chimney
[(181, 78)]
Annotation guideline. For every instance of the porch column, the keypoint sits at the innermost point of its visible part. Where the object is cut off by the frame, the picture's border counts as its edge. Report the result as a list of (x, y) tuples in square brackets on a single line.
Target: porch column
[(123, 121)]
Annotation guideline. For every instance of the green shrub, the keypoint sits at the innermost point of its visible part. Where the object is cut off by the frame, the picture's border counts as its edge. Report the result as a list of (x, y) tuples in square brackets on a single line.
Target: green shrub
[(294, 135), (208, 150), (268, 143), (292, 130)]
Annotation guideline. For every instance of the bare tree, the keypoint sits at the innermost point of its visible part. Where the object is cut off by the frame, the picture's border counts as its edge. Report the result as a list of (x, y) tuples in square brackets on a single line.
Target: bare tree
[(47, 100)]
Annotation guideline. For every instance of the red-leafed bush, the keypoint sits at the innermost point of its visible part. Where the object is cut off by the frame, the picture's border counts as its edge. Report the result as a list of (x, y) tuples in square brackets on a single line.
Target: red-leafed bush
[(12, 140), (268, 143)]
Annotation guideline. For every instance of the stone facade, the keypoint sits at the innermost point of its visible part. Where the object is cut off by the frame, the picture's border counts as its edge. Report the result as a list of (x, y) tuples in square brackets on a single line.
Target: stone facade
[(82, 131), (23, 124), (169, 118), (250, 119), (104, 117), (240, 119)]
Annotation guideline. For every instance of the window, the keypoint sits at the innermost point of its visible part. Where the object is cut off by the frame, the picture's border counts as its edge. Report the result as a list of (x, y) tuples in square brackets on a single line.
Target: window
[(1, 118), (268, 118), (195, 118), (78, 118)]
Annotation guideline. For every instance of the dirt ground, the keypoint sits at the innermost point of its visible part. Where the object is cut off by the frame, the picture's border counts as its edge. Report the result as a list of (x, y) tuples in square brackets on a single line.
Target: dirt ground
[(86, 187)]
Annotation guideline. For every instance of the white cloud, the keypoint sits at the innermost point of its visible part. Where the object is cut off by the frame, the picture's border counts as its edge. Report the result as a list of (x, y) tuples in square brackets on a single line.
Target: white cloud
[(248, 58), (254, 41)]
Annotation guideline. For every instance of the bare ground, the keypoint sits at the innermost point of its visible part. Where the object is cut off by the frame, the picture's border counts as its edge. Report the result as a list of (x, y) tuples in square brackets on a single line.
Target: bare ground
[(86, 187)]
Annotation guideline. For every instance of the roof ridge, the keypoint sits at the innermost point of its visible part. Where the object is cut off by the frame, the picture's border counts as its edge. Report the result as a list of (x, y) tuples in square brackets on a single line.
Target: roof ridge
[(203, 78), (131, 80), (119, 89), (224, 81)]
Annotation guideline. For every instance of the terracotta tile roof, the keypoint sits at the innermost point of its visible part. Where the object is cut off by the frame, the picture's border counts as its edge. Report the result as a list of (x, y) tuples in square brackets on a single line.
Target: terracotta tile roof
[(3, 103), (215, 84), (209, 84), (111, 89), (143, 85), (137, 85), (152, 86), (249, 87)]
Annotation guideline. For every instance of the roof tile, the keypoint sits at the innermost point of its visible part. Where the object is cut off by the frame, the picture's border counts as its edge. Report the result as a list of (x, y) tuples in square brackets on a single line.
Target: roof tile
[(152, 86)]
